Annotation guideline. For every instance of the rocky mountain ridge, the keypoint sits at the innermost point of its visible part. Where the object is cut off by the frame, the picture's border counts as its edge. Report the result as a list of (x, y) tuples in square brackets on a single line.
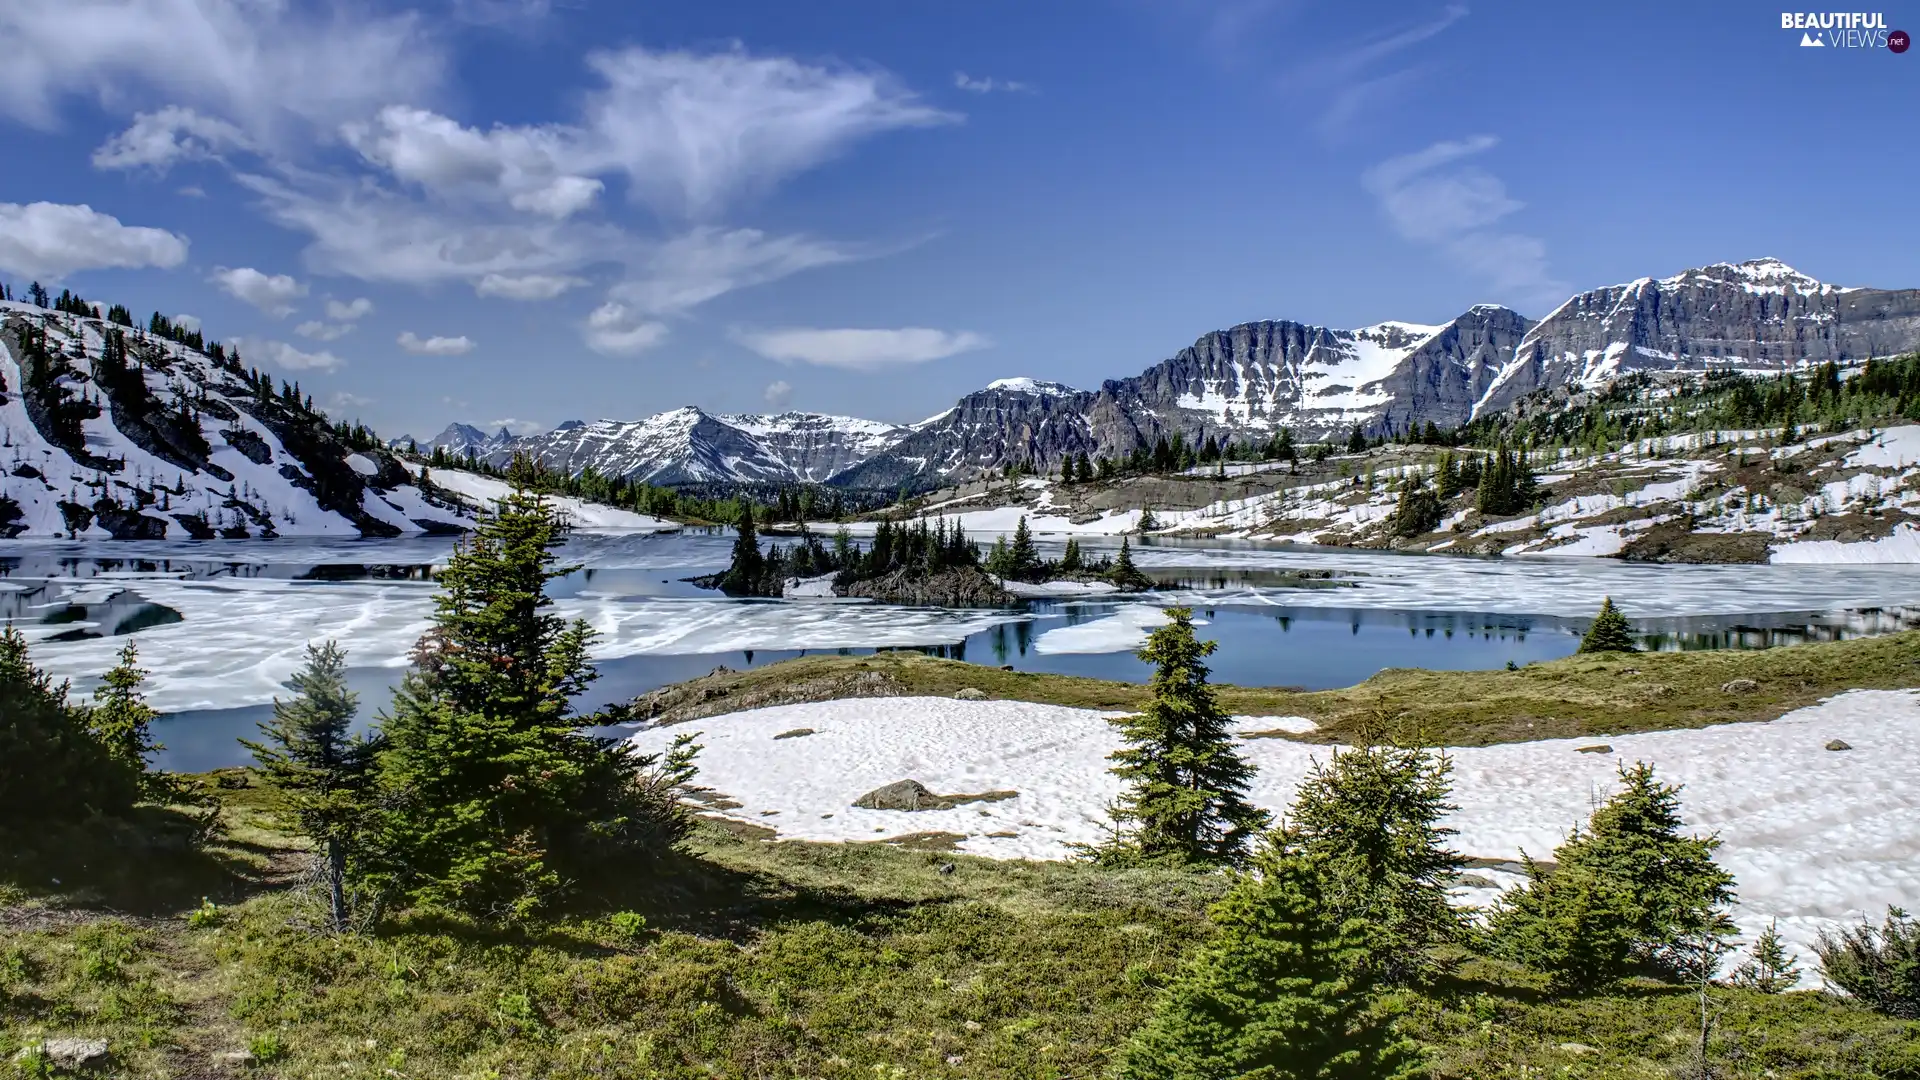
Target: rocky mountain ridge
[(1248, 381)]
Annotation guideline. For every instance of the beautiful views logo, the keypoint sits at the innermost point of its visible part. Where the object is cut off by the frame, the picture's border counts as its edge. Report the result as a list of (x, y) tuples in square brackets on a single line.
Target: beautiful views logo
[(1845, 30)]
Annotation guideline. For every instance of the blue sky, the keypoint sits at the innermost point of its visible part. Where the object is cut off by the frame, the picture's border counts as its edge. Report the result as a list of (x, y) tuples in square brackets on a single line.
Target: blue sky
[(526, 212)]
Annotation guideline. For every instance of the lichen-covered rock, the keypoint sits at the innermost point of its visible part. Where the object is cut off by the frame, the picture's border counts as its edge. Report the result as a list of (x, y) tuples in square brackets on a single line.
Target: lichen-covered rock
[(1739, 686)]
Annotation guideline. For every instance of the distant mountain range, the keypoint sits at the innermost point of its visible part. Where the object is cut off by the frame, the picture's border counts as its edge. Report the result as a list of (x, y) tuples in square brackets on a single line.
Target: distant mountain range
[(1251, 379)]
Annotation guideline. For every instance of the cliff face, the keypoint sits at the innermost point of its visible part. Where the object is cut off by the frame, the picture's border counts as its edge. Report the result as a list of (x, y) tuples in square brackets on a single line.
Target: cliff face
[(1760, 315)]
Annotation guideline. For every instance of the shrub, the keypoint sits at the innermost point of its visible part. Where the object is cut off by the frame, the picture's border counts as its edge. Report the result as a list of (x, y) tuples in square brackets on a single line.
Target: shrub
[(1281, 992), (1370, 821), (628, 924), (1631, 891), (52, 769), (1878, 965)]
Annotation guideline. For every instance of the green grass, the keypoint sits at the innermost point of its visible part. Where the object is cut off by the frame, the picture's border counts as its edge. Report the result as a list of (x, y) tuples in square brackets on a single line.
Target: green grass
[(801, 960), (1576, 696)]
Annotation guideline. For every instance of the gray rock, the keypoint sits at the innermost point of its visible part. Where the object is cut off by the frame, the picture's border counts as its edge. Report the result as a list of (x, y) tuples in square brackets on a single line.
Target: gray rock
[(1838, 744), (796, 733), (1739, 686), (946, 868), (969, 693), (69, 1054), (234, 1059), (901, 795), (1601, 748)]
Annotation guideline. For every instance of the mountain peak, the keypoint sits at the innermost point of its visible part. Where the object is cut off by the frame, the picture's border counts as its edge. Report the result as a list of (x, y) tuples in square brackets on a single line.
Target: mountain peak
[(1023, 385)]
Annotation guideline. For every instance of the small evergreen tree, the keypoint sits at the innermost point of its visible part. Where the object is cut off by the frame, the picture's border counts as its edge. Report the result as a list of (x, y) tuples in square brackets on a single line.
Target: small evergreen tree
[(1370, 820), (1280, 993), (323, 774), (1071, 560), (1126, 575), (1878, 965), (1186, 783), (1356, 439), (493, 799), (123, 722), (747, 571), (1418, 511), (52, 768), (1626, 893), (1770, 967), (1023, 554), (1147, 522), (1609, 632)]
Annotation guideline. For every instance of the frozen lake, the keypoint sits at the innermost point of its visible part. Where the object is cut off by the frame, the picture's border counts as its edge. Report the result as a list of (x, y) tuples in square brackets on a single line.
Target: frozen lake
[(222, 624)]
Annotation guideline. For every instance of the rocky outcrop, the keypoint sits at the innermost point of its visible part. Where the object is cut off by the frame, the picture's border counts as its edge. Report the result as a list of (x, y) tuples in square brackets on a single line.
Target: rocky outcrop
[(958, 587), (1760, 315)]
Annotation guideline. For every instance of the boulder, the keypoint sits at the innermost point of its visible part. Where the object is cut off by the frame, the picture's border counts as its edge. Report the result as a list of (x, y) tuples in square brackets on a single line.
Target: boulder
[(1739, 686), (901, 795), (970, 693), (796, 733), (1601, 748), (70, 1055), (1838, 744)]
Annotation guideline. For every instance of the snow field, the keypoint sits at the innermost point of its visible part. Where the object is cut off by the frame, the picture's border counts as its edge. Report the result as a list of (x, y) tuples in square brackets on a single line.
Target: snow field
[(1815, 838), (583, 515)]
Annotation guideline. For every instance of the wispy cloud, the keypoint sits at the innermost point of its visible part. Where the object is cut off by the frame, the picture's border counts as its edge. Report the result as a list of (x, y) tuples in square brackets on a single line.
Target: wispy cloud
[(514, 426), (614, 329), (53, 240), (859, 350), (779, 394), (989, 85), (1348, 80), (435, 346), (1433, 196)]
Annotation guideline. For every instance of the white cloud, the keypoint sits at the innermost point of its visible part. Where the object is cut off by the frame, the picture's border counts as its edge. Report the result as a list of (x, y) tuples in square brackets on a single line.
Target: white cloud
[(694, 132), (283, 355), (779, 394), (352, 311), (157, 140), (860, 350), (323, 331), (273, 294), (513, 426), (343, 401), (435, 346), (525, 286), (189, 323), (255, 62), (1430, 197), (525, 166), (53, 240), (1346, 80), (988, 85), (617, 330), (708, 262)]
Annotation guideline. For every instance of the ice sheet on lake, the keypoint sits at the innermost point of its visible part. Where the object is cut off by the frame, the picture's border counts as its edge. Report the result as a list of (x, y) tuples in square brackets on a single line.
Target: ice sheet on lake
[(1124, 630), (1814, 837)]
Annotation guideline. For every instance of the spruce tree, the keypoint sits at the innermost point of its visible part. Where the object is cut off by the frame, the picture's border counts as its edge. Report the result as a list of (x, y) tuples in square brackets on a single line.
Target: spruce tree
[(493, 799), (745, 574), (1370, 820), (1418, 511), (52, 768), (321, 771), (1282, 992), (1770, 967), (1625, 894), (1126, 575), (1185, 782), (1071, 560), (1024, 556), (1880, 966), (1609, 632), (123, 722)]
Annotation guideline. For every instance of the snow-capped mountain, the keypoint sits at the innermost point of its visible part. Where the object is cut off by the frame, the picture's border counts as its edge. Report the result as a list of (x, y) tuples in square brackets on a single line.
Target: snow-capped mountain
[(1761, 315), (690, 446), (1253, 379), (112, 431), (460, 440)]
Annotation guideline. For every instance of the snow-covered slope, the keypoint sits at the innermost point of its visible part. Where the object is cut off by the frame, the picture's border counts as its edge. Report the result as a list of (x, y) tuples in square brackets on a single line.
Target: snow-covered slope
[(481, 491), (170, 443), (1814, 837)]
